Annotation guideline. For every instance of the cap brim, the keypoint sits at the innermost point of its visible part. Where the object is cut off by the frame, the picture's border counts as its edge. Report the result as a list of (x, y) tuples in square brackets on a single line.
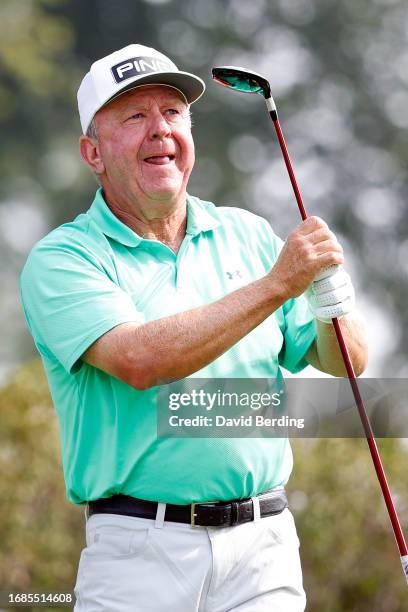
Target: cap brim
[(191, 86)]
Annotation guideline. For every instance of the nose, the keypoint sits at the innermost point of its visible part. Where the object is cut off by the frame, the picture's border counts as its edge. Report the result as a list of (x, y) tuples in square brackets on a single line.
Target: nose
[(159, 128)]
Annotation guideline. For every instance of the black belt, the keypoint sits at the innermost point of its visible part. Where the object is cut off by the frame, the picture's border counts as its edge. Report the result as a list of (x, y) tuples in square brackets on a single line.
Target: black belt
[(204, 514)]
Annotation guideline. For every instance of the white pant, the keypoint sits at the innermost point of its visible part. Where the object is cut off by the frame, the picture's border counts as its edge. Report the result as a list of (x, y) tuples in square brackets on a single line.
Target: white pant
[(141, 565)]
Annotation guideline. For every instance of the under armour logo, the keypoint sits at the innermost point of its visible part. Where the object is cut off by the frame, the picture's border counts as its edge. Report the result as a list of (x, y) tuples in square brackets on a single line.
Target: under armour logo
[(234, 274)]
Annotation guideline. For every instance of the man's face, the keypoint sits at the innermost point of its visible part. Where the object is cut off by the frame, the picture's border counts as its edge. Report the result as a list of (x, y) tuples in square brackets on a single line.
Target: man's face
[(146, 144)]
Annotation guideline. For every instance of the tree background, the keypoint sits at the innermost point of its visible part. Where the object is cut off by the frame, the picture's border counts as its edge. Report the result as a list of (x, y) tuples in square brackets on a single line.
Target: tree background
[(339, 74)]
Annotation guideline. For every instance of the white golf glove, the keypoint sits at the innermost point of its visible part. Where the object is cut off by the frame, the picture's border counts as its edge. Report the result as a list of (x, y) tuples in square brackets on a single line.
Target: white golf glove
[(331, 294)]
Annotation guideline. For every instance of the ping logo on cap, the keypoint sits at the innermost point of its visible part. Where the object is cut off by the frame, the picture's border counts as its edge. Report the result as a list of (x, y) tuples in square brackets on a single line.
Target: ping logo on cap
[(138, 66)]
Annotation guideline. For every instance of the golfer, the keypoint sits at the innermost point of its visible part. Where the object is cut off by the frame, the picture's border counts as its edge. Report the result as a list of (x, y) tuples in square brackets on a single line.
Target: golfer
[(153, 285)]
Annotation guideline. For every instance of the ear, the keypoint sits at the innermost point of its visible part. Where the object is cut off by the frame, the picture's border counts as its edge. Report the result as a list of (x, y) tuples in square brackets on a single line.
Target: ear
[(90, 153)]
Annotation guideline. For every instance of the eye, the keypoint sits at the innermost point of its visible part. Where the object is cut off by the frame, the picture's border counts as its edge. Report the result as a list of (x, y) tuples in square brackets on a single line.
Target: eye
[(173, 111), (135, 116)]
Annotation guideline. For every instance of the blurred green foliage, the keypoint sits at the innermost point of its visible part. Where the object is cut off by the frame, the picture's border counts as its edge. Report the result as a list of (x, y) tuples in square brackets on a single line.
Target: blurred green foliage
[(40, 532), (349, 554)]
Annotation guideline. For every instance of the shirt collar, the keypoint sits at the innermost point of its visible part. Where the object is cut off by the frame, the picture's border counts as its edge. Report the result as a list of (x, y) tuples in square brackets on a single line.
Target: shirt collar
[(110, 224), (200, 218)]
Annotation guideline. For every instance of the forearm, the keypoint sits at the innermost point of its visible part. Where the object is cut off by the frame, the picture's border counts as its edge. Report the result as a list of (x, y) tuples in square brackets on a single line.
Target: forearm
[(327, 348), (176, 346)]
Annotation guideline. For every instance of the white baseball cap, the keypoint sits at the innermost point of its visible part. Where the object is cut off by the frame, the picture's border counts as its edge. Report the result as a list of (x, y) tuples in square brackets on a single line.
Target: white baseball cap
[(126, 69)]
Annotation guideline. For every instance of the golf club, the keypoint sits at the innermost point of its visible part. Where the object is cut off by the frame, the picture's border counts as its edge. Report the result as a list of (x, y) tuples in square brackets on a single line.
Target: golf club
[(240, 79)]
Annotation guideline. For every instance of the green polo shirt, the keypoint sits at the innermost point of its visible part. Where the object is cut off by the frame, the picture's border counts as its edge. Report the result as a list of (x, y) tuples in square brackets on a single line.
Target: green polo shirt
[(88, 276)]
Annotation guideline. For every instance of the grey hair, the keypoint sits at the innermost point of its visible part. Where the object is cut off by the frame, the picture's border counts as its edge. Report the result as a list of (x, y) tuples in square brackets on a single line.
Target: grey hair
[(92, 132)]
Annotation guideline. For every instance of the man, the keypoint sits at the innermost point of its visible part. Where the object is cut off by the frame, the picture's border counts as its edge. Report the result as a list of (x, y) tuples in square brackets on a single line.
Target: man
[(153, 285)]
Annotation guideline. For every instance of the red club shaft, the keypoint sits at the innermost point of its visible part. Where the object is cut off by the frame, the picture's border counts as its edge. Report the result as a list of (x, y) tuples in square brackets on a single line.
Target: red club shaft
[(399, 536)]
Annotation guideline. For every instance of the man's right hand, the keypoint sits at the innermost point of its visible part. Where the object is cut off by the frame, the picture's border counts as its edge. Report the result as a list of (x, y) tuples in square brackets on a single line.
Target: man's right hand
[(308, 250)]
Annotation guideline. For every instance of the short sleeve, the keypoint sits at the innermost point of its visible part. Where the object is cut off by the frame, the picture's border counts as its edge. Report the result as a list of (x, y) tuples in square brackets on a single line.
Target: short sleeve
[(70, 300), (299, 334)]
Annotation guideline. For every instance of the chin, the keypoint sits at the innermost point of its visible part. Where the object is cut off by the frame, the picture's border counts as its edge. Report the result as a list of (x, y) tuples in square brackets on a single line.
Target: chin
[(165, 192), (163, 195)]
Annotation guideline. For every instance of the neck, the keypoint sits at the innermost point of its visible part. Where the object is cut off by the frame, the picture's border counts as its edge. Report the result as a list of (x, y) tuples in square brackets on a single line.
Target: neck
[(162, 220)]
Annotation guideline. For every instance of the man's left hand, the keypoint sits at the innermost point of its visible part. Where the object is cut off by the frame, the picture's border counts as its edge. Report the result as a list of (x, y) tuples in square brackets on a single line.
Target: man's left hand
[(331, 294)]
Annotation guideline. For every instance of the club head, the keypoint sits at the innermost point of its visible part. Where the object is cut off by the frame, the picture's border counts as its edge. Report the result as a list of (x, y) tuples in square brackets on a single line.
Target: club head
[(242, 80)]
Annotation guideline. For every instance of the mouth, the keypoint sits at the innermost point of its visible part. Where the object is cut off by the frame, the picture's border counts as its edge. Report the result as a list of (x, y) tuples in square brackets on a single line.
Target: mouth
[(159, 160)]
